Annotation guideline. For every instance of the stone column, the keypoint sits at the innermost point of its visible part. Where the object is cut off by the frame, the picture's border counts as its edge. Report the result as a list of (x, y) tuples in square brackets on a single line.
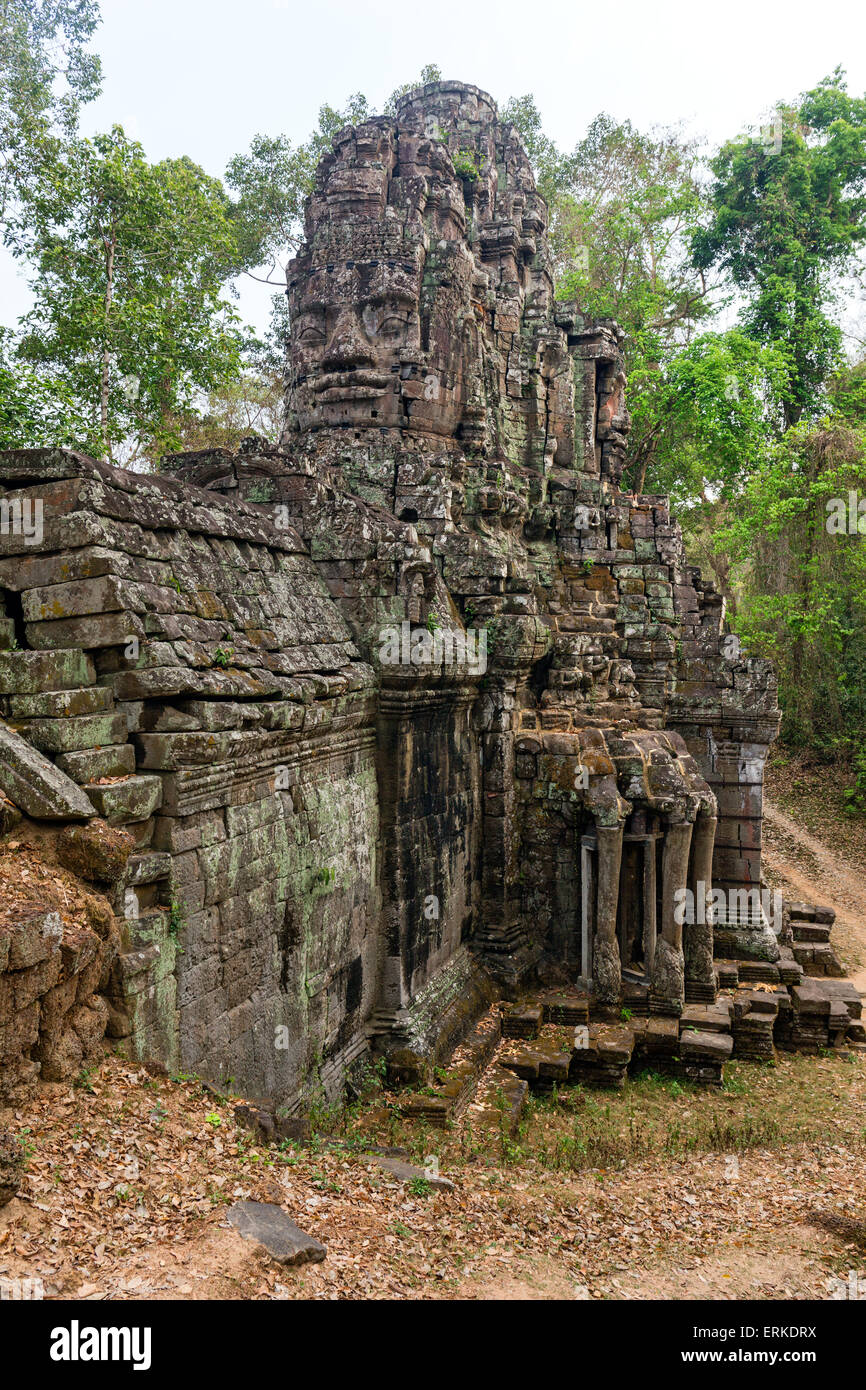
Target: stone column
[(698, 935), (649, 903), (667, 986), (606, 967), (505, 938), (587, 905)]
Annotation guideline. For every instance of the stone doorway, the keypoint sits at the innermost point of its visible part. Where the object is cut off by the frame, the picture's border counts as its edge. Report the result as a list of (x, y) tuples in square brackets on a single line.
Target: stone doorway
[(638, 907)]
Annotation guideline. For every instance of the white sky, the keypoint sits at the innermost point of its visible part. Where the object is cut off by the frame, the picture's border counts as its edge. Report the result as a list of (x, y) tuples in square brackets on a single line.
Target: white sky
[(201, 77)]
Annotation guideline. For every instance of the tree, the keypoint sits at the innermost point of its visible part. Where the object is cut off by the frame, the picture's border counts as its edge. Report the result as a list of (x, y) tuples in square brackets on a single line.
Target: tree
[(273, 179), (272, 182), (796, 540), (787, 217), (623, 206), (553, 170), (701, 417), (129, 263), (429, 73), (46, 75), (35, 410), (846, 393), (250, 404)]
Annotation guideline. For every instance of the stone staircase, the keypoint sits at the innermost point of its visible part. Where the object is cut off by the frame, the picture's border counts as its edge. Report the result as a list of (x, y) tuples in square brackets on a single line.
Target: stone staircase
[(810, 929), (561, 1039), (446, 1098)]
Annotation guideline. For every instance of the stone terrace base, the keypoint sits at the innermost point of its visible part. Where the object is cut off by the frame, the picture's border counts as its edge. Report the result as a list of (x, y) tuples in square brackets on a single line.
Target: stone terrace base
[(565, 1039)]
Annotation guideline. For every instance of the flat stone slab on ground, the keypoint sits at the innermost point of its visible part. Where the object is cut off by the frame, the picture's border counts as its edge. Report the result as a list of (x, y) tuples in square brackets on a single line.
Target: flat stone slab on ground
[(500, 1101), (727, 973), (614, 1043), (566, 1008), (408, 1172), (543, 1060), (762, 971), (757, 1001), (709, 1018), (716, 1047), (845, 993), (522, 1020), (657, 1037), (269, 1225), (810, 997)]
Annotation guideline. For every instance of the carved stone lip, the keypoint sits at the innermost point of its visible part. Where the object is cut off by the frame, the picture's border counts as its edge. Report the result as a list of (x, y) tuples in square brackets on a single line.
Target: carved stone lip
[(344, 393), (332, 386)]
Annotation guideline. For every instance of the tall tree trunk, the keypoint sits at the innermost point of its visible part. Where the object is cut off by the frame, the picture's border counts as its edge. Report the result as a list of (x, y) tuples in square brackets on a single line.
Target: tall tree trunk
[(110, 247)]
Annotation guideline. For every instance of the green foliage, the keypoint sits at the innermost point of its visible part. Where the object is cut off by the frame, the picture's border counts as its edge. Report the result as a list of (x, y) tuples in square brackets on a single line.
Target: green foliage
[(429, 73), (46, 74), (855, 796), (272, 181), (846, 393), (176, 919), (467, 165), (84, 1080), (803, 587), (252, 403), (36, 410), (261, 492), (623, 207), (550, 165), (787, 216), (223, 657), (129, 262), (702, 418)]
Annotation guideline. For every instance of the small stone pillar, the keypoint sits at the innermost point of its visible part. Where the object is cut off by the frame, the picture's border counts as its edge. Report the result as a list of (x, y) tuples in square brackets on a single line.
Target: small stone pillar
[(606, 967), (698, 934), (667, 984)]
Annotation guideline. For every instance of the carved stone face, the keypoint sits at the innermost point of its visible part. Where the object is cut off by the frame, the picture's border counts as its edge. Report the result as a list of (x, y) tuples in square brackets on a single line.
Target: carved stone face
[(370, 348), (380, 296), (354, 326), (421, 301)]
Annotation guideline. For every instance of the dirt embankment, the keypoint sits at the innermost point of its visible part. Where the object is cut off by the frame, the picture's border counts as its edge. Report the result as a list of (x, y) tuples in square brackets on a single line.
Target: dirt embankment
[(816, 852)]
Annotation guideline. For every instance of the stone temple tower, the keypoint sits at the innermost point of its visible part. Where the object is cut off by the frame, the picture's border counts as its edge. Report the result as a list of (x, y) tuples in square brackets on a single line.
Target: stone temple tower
[(424, 707), (434, 372)]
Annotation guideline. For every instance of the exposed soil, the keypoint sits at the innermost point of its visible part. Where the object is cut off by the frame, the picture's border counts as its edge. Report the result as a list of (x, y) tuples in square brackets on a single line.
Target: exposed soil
[(803, 817)]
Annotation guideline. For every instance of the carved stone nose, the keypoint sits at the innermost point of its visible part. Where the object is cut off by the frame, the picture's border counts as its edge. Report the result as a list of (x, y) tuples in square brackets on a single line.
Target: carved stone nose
[(347, 347)]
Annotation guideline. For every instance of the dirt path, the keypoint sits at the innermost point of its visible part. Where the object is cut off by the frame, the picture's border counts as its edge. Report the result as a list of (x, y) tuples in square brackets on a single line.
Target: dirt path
[(814, 873)]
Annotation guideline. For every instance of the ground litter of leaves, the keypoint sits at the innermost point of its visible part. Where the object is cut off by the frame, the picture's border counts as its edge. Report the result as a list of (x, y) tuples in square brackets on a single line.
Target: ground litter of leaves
[(130, 1175), (32, 881)]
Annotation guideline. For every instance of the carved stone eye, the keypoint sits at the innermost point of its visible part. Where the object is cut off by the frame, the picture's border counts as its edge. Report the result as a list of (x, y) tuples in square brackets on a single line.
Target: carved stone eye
[(392, 327), (310, 337)]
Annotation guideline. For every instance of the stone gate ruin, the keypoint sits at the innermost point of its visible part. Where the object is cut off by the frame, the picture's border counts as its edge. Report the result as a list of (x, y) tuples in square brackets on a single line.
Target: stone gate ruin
[(415, 709)]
